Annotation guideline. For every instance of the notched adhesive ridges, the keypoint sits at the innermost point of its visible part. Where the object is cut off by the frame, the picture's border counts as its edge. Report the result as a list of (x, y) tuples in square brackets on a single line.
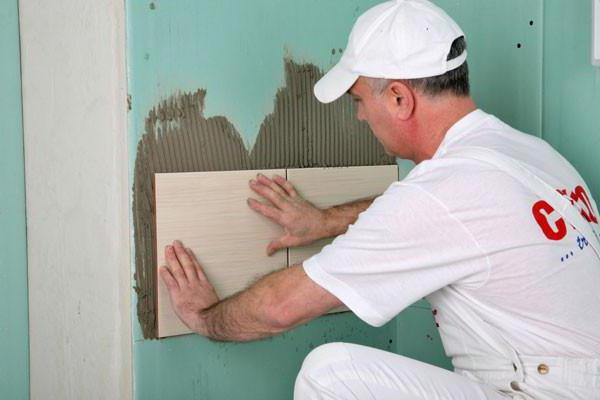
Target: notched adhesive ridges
[(300, 133)]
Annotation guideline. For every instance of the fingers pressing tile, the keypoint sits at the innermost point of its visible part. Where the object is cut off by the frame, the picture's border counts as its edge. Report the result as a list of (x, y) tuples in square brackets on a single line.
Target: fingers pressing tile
[(264, 179)]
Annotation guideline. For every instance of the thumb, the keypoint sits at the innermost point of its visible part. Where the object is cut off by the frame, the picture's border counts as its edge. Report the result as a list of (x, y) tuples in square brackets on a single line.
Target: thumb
[(274, 246)]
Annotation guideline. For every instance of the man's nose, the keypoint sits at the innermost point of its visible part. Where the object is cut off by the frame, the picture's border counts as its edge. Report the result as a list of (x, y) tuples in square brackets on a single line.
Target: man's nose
[(360, 115)]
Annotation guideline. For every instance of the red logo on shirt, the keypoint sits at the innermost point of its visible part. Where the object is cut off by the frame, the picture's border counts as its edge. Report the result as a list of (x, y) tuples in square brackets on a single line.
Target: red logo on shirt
[(552, 224)]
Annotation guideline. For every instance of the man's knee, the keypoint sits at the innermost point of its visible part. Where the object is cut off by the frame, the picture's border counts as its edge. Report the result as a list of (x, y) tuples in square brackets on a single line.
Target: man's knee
[(307, 384), (324, 355)]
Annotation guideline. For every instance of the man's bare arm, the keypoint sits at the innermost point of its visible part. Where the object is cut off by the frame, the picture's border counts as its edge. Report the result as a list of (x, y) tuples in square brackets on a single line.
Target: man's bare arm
[(275, 303), (247, 315), (338, 218)]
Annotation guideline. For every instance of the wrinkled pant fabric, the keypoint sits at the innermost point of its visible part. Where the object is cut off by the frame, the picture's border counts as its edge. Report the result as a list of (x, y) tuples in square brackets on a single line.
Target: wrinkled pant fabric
[(346, 371)]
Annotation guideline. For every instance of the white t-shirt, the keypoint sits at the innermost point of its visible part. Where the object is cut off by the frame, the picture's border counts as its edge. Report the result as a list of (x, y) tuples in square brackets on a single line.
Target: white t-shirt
[(475, 242)]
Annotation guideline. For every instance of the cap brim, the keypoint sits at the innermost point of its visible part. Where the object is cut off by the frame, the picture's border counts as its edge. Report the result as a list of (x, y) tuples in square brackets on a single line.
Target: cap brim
[(334, 84)]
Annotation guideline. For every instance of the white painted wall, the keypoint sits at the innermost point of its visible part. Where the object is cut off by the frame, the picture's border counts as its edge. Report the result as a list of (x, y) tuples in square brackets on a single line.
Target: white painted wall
[(74, 96)]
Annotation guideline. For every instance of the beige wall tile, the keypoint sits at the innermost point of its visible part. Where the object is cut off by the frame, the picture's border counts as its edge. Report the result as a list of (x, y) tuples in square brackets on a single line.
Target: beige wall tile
[(208, 212)]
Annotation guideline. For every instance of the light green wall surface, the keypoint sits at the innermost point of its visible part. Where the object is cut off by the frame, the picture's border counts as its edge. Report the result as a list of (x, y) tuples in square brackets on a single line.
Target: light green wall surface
[(235, 50), (506, 80), (572, 88), (14, 343)]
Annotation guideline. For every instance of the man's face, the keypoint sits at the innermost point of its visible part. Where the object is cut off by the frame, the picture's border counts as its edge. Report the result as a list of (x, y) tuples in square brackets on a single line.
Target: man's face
[(371, 107)]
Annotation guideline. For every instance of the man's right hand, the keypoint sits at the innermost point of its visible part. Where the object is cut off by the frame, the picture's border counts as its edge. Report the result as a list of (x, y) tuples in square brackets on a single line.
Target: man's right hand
[(302, 221)]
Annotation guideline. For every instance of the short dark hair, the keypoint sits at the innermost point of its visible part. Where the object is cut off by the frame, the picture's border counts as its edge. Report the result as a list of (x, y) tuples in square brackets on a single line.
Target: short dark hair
[(454, 82)]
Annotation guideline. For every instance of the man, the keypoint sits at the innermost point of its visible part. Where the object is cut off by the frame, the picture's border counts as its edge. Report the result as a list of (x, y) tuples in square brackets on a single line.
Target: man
[(513, 283)]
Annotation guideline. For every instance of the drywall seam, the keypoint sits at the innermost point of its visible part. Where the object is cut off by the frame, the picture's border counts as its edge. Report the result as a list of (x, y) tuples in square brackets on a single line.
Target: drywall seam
[(300, 133)]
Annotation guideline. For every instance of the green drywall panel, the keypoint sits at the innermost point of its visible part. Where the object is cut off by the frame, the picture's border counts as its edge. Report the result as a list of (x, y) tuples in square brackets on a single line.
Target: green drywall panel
[(572, 87), (504, 41), (417, 336), (191, 367), (14, 333), (235, 50)]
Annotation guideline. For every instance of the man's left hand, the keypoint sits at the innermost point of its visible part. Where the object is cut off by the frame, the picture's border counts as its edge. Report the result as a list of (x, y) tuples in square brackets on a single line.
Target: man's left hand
[(189, 289)]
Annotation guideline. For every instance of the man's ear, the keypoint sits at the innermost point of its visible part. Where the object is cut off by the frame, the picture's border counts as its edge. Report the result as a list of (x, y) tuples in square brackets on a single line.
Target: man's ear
[(401, 100)]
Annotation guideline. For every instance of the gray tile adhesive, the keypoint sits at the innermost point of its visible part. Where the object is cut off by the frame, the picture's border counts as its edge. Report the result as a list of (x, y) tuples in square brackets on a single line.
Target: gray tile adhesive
[(300, 133)]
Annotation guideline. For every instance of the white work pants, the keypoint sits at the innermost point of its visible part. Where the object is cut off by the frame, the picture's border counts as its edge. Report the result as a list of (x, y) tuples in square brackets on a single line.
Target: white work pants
[(344, 371)]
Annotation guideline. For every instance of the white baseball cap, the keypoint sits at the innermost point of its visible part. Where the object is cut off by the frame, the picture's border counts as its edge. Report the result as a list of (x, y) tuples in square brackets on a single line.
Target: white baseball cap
[(398, 39)]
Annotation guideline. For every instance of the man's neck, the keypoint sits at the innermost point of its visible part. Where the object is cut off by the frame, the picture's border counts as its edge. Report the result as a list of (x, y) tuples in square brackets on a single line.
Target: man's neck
[(435, 118)]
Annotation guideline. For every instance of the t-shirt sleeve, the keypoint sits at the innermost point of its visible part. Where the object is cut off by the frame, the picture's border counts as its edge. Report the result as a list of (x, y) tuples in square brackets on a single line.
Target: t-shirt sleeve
[(405, 246)]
